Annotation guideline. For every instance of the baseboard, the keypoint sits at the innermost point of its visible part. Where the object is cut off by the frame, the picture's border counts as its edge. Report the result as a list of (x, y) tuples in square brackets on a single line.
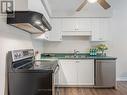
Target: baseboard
[(121, 79)]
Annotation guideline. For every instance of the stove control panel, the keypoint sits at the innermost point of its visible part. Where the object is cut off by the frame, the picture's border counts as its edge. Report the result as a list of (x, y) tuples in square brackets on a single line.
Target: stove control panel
[(22, 54)]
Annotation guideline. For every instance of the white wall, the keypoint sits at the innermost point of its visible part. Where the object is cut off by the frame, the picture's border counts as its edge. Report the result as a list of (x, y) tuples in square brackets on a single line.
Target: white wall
[(68, 44), (12, 38), (119, 37)]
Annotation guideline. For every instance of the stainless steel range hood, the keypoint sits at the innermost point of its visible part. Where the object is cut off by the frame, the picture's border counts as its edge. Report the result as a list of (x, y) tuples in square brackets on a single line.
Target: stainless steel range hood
[(32, 22)]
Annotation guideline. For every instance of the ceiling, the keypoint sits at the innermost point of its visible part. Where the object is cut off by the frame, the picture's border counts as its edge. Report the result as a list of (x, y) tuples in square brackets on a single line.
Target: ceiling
[(66, 8)]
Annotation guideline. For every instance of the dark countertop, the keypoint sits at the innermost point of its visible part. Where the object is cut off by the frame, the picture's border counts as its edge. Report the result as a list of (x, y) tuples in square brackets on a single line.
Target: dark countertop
[(70, 56), (43, 66)]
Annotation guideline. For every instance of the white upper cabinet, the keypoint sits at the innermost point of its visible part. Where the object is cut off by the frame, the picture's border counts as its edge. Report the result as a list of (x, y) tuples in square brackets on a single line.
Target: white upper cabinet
[(75, 24), (56, 33), (100, 29), (68, 25), (97, 28), (83, 24)]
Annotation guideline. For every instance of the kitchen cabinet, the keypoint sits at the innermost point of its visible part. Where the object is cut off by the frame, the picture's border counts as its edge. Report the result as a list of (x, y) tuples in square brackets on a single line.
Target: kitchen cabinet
[(76, 73), (81, 33), (67, 72), (75, 24), (100, 29), (56, 33), (85, 72), (97, 28), (68, 25)]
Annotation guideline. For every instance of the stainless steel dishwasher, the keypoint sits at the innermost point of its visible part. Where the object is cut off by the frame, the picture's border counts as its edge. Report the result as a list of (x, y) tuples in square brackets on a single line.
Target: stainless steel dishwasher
[(105, 73)]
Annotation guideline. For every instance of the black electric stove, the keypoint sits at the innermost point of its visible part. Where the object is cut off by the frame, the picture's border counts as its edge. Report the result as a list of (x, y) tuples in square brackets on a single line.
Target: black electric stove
[(27, 76)]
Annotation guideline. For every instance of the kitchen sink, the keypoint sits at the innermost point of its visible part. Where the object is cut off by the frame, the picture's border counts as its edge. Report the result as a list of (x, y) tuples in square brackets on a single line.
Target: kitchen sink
[(72, 56)]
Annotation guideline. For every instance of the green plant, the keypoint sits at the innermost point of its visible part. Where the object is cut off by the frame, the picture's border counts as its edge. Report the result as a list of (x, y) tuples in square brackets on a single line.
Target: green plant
[(102, 48)]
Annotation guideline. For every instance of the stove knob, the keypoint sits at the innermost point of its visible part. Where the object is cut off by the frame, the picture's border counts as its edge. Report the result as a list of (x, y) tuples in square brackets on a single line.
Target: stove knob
[(19, 55), (16, 56)]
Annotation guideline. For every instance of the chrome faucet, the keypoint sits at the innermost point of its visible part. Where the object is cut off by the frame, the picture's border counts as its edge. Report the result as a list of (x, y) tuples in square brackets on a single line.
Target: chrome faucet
[(75, 53)]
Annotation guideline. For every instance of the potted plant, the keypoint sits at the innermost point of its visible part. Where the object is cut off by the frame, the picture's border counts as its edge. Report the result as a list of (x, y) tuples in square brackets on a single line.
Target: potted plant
[(102, 48)]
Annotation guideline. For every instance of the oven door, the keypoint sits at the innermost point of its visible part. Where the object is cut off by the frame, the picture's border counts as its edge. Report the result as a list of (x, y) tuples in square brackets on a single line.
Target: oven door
[(33, 83)]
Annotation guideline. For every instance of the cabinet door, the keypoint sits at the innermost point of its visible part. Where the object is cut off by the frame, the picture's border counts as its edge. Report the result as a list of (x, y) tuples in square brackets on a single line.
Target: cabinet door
[(67, 72), (100, 29), (76, 73), (95, 30), (56, 33), (85, 72), (33, 83), (83, 24), (68, 24), (76, 24)]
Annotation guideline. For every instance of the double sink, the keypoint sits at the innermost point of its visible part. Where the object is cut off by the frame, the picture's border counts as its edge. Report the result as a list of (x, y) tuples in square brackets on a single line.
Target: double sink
[(73, 56)]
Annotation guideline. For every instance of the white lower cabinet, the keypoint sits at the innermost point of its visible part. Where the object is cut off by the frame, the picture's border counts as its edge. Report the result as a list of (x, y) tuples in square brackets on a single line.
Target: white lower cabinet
[(67, 72), (85, 72), (75, 73)]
